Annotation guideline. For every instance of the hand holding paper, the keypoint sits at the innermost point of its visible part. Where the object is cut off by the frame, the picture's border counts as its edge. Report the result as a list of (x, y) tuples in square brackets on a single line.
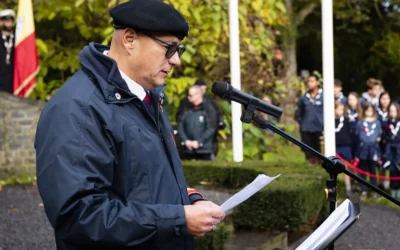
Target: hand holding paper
[(261, 181)]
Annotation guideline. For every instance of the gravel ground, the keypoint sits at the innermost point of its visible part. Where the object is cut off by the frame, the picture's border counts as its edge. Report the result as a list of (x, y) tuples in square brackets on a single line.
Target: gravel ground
[(23, 224)]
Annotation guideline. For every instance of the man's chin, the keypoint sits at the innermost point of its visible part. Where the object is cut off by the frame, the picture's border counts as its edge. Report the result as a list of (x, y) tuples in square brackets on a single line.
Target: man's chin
[(160, 81)]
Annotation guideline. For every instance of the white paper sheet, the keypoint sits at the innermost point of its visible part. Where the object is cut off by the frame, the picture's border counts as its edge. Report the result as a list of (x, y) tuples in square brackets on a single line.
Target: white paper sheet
[(261, 181), (327, 228)]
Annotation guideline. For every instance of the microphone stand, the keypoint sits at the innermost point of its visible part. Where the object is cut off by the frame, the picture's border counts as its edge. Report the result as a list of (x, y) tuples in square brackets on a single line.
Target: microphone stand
[(331, 164)]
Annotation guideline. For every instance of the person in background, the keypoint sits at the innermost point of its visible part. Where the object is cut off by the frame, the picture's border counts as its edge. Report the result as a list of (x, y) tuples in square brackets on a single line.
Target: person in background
[(391, 156), (368, 153), (383, 110), (197, 129), (185, 104), (209, 105), (353, 112), (343, 140), (337, 90), (383, 106), (183, 107), (309, 115), (374, 89), (7, 43)]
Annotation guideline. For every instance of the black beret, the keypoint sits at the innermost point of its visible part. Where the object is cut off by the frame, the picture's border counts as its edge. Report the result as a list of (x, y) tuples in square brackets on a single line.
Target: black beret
[(200, 82), (150, 15)]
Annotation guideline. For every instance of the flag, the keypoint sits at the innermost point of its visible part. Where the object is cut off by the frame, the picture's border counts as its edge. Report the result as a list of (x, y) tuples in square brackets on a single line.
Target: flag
[(26, 59)]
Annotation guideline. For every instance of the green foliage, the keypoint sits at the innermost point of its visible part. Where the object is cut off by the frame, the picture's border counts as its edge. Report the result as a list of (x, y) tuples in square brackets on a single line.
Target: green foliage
[(60, 37), (293, 200), (261, 145), (21, 179), (214, 240), (208, 41)]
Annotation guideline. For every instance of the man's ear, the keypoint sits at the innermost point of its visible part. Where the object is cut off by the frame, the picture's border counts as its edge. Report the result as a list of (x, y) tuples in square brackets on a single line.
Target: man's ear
[(129, 38)]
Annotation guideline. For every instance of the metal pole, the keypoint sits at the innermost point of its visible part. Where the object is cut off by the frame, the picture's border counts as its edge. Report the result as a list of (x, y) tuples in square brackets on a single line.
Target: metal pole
[(328, 76), (237, 139), (329, 110)]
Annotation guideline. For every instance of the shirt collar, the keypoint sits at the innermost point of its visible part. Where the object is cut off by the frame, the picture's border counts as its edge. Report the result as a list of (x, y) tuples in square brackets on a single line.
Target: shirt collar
[(133, 86)]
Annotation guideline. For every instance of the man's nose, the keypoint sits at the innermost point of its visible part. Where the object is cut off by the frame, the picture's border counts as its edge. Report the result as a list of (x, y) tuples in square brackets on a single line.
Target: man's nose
[(175, 60)]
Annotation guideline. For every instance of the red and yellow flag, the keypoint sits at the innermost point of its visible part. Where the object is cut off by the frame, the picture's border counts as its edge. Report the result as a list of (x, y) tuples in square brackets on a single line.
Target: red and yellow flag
[(26, 59)]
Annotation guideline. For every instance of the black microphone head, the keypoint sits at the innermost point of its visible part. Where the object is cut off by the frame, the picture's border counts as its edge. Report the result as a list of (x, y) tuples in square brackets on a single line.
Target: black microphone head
[(221, 88)]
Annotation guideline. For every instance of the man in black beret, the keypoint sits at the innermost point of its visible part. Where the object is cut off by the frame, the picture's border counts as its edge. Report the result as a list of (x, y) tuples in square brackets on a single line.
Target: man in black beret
[(108, 170)]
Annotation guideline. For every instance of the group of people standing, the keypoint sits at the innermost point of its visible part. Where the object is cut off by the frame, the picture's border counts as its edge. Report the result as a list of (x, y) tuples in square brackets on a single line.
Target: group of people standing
[(367, 130)]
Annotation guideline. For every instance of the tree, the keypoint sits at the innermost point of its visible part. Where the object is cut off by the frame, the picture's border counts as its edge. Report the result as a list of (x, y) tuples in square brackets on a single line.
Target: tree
[(61, 36), (296, 11)]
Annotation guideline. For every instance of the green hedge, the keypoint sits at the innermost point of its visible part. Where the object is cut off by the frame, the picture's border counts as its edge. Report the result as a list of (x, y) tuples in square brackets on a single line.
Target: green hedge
[(214, 240), (294, 199)]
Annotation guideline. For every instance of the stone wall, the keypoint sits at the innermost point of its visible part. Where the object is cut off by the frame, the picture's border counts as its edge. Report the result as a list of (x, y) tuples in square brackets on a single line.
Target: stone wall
[(18, 121)]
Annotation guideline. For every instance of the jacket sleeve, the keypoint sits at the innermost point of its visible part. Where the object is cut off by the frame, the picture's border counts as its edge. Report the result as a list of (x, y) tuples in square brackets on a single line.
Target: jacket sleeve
[(212, 126), (194, 195), (300, 110), (358, 128), (181, 129), (218, 114), (379, 129), (76, 162), (182, 109)]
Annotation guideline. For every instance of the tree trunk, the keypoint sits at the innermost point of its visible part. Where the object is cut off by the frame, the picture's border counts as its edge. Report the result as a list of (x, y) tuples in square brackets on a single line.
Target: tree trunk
[(290, 79), (289, 104)]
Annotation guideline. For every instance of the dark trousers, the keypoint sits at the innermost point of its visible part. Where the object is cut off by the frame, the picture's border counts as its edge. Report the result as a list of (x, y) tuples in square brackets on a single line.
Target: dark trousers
[(395, 172), (6, 83), (312, 139), (370, 167)]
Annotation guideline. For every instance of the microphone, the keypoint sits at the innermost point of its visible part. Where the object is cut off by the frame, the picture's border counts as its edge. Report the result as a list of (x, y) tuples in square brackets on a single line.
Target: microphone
[(225, 90)]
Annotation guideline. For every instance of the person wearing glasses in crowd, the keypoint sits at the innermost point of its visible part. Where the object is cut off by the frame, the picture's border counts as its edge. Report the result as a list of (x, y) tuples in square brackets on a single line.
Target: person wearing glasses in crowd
[(108, 170)]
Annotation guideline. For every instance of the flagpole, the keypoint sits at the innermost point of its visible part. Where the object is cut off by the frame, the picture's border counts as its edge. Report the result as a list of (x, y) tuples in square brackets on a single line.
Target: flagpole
[(328, 76), (237, 139)]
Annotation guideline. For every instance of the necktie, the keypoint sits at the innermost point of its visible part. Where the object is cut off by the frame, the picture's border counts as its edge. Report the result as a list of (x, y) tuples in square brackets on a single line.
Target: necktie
[(148, 105)]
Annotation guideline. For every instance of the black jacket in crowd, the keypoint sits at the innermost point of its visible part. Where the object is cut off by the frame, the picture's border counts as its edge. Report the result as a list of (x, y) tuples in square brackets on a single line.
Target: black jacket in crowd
[(343, 137), (6, 70), (198, 125), (209, 104), (310, 112)]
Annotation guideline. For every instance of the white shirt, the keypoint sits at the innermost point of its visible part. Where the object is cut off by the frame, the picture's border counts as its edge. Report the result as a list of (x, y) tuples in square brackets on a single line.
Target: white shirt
[(133, 86)]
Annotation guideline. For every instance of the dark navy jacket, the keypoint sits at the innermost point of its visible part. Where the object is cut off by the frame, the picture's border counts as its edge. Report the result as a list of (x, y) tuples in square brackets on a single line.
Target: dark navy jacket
[(382, 116), (109, 174), (369, 134), (353, 119), (197, 125), (310, 112), (391, 131), (342, 130)]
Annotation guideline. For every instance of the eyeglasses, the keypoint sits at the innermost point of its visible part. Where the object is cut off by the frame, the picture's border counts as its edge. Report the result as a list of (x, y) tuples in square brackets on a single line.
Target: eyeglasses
[(171, 48)]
